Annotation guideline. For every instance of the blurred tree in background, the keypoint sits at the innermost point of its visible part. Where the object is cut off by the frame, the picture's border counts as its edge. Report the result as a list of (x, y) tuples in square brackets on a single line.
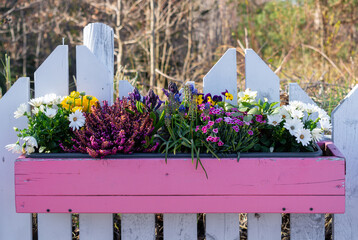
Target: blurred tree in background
[(313, 43)]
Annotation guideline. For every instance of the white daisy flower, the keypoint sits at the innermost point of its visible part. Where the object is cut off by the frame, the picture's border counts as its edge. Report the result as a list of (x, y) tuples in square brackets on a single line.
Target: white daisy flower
[(303, 136), (42, 108), (15, 148), (21, 110), (292, 125), (274, 120), (35, 111), (310, 108), (50, 99), (325, 124), (289, 108), (284, 113), (30, 141), (296, 113), (36, 102), (297, 105), (317, 134), (30, 149), (77, 120), (50, 112)]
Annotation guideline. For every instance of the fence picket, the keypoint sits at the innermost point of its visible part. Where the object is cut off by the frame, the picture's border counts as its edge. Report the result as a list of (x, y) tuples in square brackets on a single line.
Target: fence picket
[(180, 226), (94, 73), (222, 76), (222, 226), (12, 225), (345, 137), (260, 78), (138, 226), (305, 226), (52, 77)]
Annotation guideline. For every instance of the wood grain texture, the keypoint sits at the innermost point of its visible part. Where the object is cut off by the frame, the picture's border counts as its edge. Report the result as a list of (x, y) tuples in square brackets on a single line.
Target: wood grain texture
[(138, 226), (180, 226), (264, 226), (277, 177), (305, 226), (92, 76), (222, 76), (52, 75), (260, 78), (12, 224), (94, 68), (222, 226), (345, 136)]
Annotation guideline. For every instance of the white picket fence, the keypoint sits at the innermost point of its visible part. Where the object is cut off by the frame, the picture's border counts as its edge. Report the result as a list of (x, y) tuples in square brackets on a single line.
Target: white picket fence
[(95, 76)]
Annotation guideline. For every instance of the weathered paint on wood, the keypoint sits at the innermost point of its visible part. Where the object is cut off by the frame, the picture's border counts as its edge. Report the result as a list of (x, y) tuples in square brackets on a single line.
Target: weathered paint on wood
[(94, 68), (305, 226), (222, 76), (345, 135), (52, 75), (258, 177), (259, 77), (94, 225), (92, 76), (222, 226), (138, 226), (12, 224), (180, 226), (264, 226)]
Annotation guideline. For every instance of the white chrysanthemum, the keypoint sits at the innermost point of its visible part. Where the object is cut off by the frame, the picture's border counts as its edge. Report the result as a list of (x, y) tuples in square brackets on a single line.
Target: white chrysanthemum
[(50, 112), (289, 108), (15, 148), (297, 105), (20, 110), (325, 124), (296, 113), (36, 102), (77, 120), (310, 108), (51, 99), (30, 141), (303, 136), (284, 113), (274, 120), (247, 96), (42, 108), (317, 134), (30, 149), (322, 114), (292, 125)]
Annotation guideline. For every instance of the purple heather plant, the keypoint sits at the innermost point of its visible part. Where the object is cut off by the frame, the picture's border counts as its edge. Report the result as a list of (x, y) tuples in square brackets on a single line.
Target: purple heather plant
[(119, 128)]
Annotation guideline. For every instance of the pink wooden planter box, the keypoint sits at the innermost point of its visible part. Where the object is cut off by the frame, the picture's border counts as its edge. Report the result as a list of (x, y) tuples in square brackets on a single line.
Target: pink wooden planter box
[(265, 185)]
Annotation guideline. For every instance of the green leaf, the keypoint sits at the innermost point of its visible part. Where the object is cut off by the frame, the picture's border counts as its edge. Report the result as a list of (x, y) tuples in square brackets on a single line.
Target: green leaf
[(254, 111)]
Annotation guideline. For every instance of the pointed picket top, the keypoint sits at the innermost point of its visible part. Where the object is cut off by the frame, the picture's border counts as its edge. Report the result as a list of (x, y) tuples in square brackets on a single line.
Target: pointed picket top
[(93, 77), (222, 76), (124, 88), (52, 75), (99, 39), (12, 225), (296, 93), (345, 137), (260, 78)]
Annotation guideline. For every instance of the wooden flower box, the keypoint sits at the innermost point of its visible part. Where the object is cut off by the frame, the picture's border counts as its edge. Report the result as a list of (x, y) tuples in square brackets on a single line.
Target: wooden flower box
[(149, 185)]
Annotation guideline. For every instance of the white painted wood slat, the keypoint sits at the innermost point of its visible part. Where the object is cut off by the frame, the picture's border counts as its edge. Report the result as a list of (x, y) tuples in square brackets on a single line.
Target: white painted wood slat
[(260, 78), (222, 226), (138, 226), (180, 226), (94, 66), (222, 76), (12, 225), (52, 77), (345, 137), (305, 226)]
